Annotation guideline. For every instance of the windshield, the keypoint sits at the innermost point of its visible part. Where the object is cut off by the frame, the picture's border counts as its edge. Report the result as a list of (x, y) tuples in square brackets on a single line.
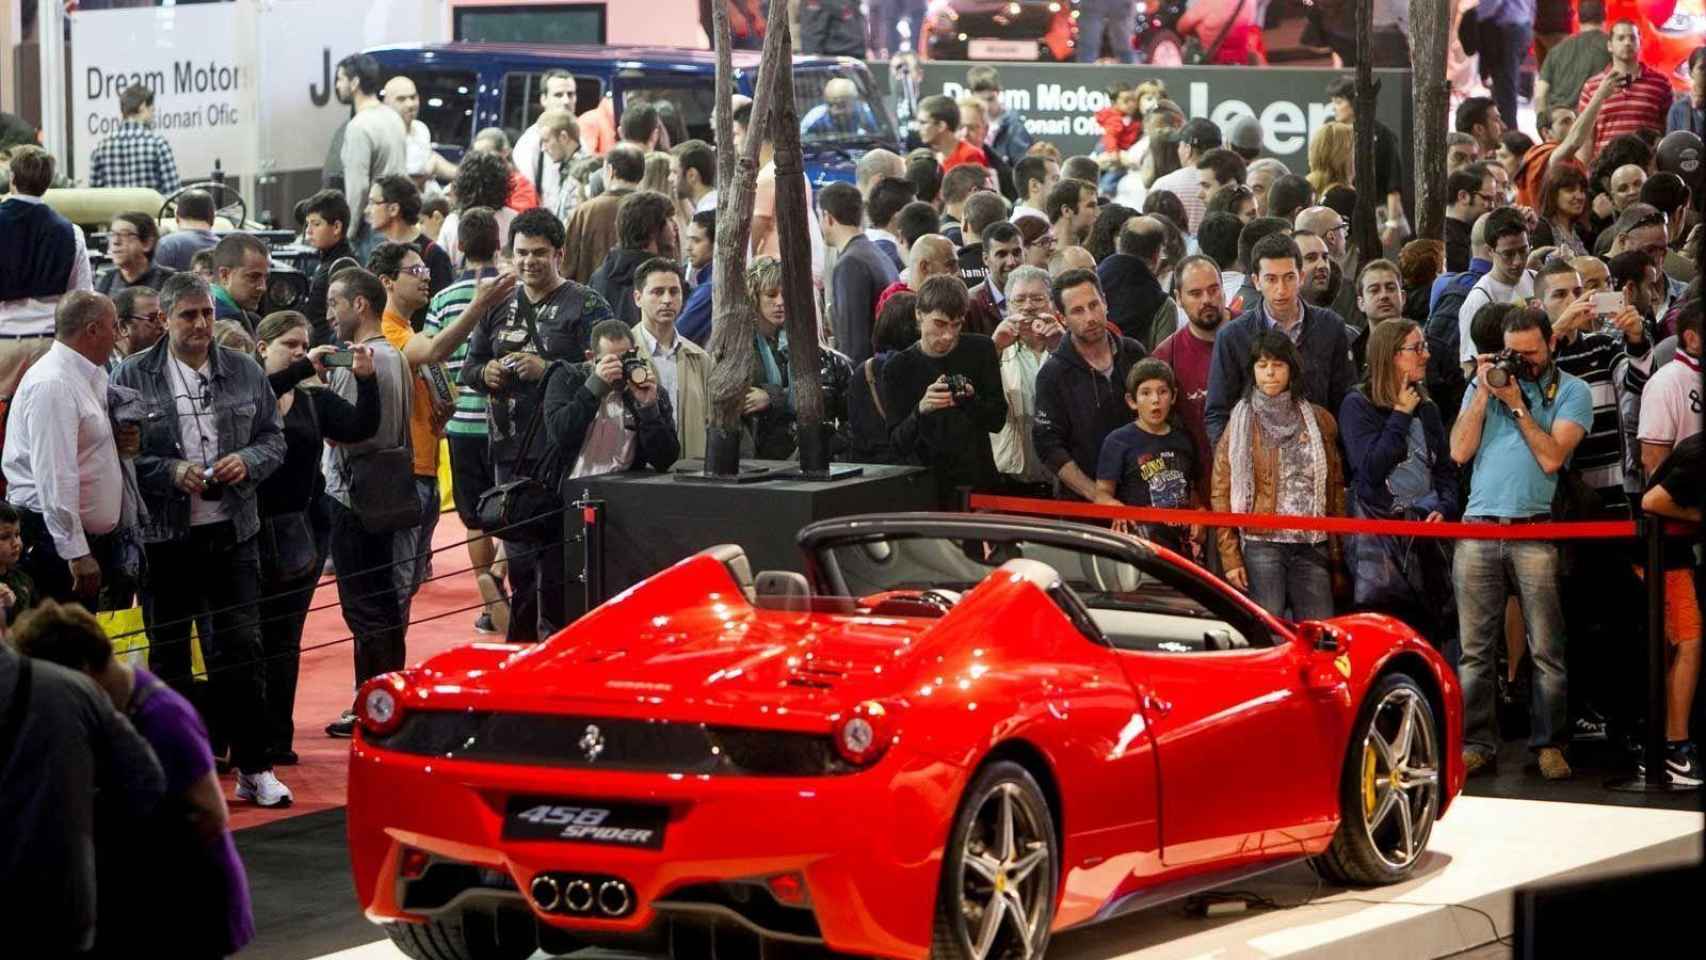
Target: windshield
[(877, 566), (841, 106)]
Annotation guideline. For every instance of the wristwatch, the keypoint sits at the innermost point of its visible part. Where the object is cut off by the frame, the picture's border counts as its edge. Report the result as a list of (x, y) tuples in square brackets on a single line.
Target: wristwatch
[(1519, 413)]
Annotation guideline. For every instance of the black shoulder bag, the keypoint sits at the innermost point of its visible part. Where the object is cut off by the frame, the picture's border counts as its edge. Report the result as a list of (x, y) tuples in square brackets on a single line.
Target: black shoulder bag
[(525, 509)]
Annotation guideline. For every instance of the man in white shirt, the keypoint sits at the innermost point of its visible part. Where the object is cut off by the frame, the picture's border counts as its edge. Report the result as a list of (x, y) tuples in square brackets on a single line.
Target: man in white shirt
[(425, 166), (678, 364), (42, 258), (1025, 338), (61, 462), (1035, 176), (1507, 282), (556, 92)]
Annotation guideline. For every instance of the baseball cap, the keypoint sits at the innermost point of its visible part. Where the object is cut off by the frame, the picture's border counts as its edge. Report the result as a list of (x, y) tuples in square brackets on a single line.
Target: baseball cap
[(1637, 215), (1245, 133), (1680, 153), (1200, 133)]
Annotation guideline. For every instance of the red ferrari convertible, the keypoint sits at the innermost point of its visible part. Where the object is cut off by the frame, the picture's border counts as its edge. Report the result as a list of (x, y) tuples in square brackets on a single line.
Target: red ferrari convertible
[(953, 736)]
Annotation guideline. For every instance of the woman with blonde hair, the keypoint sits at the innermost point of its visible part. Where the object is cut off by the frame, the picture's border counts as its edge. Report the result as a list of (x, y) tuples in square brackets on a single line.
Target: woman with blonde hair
[(1398, 456), (1332, 155)]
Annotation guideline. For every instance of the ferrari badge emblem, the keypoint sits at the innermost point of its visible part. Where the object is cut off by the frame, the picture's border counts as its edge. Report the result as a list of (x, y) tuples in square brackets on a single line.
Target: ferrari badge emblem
[(1342, 662), (592, 741)]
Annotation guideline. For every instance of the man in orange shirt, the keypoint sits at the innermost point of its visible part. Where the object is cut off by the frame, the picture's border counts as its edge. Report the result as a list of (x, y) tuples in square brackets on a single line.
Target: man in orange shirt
[(938, 128), (404, 276)]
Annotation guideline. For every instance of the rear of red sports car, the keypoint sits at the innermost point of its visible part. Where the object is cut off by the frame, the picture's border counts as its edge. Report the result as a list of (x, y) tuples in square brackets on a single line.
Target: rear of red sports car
[(571, 793)]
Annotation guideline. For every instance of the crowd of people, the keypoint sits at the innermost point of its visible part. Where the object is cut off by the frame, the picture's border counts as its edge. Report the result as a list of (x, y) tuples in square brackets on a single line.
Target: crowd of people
[(1175, 321)]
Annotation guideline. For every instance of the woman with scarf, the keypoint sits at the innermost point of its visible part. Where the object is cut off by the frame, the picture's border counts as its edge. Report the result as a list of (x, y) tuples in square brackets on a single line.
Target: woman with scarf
[(291, 548), (767, 413), (1279, 455), (1398, 456)]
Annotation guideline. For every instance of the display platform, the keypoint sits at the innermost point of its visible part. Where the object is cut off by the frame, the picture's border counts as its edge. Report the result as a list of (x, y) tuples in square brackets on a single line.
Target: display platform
[(1460, 900), (655, 519)]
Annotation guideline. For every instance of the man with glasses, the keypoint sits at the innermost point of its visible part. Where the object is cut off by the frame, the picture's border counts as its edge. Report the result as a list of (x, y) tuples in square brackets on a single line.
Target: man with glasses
[(1645, 228), (140, 323), (1473, 193), (1025, 339), (1508, 282), (130, 244)]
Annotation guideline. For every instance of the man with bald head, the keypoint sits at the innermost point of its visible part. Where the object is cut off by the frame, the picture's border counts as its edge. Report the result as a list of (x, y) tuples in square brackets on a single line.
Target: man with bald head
[(841, 113), (1326, 223), (931, 255), (1070, 258), (425, 167), (1625, 186), (1595, 277), (874, 166)]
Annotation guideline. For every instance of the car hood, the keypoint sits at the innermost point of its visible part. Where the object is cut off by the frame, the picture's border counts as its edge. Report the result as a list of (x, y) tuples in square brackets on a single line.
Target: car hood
[(720, 664)]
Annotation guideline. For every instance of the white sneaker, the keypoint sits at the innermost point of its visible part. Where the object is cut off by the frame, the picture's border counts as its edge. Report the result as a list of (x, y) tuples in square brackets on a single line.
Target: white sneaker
[(264, 789)]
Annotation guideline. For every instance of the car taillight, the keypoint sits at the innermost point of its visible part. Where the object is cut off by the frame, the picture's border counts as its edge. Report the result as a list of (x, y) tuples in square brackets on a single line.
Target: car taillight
[(379, 705), (864, 733)]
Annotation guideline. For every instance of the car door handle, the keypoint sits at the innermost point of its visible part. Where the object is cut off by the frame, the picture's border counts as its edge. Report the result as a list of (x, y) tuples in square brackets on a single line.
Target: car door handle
[(1156, 706)]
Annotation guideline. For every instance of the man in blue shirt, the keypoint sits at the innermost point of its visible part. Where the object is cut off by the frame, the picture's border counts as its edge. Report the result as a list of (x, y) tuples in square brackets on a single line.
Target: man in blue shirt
[(695, 320), (1520, 436)]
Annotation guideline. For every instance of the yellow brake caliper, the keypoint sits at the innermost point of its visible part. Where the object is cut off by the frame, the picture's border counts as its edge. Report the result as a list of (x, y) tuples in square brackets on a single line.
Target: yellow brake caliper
[(1368, 780)]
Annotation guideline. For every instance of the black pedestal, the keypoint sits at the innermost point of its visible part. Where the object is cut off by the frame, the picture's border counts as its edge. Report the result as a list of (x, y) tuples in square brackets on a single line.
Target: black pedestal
[(653, 520)]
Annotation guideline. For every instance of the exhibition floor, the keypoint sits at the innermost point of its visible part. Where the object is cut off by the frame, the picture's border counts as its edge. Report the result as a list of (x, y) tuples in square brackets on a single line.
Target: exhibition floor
[(1500, 835)]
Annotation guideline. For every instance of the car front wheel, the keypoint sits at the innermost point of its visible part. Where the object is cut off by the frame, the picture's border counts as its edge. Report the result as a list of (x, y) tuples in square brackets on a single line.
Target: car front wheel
[(1389, 794), (469, 935), (1001, 871)]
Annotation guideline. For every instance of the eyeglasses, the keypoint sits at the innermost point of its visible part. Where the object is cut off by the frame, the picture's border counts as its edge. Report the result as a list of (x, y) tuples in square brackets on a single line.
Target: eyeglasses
[(418, 270), (1419, 349), (156, 316)]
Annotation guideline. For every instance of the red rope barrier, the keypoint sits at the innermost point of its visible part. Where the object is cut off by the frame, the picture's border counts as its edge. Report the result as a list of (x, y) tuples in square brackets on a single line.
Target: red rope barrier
[(1583, 530)]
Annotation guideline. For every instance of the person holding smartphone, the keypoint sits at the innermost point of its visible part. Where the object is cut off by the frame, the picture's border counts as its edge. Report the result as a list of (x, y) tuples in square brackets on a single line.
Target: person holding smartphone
[(1024, 340)]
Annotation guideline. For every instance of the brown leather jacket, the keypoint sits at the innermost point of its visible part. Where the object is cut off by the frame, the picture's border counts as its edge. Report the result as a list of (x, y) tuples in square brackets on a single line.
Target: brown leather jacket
[(1267, 469)]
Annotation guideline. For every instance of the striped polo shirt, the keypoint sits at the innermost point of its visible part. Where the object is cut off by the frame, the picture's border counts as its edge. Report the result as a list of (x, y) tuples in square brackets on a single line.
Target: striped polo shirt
[(469, 418), (1643, 106), (1599, 457)]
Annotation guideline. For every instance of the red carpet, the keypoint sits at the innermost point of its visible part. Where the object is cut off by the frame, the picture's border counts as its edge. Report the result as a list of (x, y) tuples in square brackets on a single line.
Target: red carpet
[(328, 676)]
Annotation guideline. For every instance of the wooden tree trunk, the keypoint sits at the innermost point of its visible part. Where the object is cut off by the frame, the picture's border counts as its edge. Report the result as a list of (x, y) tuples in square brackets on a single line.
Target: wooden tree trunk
[(1364, 235), (1430, 42), (733, 320), (799, 293)]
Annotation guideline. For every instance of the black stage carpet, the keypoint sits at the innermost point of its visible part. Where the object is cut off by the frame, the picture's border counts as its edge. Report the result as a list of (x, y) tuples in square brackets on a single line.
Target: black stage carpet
[(299, 881)]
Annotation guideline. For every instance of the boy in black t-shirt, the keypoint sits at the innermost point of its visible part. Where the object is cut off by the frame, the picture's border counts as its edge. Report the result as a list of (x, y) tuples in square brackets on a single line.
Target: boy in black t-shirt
[(1152, 461)]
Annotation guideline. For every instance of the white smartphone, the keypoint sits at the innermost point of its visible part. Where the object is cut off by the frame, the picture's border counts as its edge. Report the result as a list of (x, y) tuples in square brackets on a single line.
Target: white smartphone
[(1608, 304)]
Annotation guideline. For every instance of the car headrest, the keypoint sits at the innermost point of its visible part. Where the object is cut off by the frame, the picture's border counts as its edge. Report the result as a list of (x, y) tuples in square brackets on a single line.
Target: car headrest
[(95, 207), (1036, 571), (733, 559), (785, 589)]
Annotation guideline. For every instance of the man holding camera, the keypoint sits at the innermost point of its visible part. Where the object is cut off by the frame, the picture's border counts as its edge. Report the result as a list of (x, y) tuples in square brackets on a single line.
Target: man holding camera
[(1025, 339), (1519, 423), (943, 394), (610, 414), (509, 355), (212, 436)]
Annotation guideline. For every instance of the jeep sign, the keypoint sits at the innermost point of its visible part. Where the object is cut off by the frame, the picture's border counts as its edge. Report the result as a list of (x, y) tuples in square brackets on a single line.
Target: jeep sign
[(1060, 100)]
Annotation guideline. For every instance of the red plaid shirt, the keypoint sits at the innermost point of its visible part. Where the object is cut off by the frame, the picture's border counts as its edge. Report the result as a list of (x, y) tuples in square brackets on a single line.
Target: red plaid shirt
[(1640, 107)]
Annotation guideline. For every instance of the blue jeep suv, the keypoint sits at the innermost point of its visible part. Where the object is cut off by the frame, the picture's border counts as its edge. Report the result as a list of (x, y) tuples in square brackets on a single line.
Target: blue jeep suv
[(466, 87)]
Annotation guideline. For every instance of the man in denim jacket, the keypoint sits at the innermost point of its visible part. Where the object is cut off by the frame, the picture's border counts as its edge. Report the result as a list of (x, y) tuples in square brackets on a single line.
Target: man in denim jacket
[(212, 435)]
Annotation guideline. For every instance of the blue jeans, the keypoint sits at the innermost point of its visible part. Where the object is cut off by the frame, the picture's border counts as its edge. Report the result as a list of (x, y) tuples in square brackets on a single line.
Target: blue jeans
[(1117, 20), (1504, 47), (1482, 574), (1290, 574)]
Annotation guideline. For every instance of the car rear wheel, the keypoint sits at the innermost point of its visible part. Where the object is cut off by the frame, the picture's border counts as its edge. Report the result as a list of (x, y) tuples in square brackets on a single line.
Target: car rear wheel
[(469, 935), (1389, 793), (1000, 873)]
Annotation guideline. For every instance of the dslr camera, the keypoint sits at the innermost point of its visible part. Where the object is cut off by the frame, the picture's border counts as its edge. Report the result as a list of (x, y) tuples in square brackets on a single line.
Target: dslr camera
[(1507, 365), (634, 369), (959, 387)]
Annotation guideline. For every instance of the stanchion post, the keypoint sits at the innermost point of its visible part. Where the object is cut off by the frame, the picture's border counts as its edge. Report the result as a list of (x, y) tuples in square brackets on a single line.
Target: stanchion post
[(592, 542), (1654, 747)]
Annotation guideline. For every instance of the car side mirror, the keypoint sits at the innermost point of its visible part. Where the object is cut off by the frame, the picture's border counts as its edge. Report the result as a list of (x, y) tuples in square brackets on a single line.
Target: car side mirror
[(1321, 637)]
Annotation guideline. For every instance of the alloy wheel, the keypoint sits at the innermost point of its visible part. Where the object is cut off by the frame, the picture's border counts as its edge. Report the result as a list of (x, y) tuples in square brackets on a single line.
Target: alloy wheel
[(1004, 888), (1400, 778)]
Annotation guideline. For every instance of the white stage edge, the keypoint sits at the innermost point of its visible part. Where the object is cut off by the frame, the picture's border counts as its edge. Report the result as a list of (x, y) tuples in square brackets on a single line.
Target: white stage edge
[(1479, 855)]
